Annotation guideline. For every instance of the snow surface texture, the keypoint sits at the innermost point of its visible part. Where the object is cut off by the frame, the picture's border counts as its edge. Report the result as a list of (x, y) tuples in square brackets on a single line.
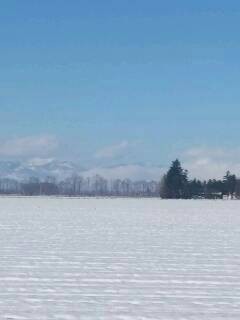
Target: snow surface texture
[(126, 259)]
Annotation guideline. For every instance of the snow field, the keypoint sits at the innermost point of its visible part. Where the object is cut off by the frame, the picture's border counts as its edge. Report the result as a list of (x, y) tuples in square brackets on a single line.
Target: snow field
[(119, 259)]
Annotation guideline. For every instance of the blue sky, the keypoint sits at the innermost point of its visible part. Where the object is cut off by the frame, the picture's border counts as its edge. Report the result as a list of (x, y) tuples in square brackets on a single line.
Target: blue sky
[(149, 80)]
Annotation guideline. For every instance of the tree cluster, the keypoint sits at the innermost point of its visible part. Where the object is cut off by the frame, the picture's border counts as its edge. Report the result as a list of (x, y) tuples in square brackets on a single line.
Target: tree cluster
[(175, 184)]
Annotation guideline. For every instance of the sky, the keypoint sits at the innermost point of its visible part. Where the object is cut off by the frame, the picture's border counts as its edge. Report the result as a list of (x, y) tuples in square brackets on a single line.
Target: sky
[(106, 83)]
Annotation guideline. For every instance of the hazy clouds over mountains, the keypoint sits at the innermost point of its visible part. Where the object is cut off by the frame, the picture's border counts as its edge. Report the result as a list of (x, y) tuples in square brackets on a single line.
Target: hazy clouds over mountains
[(42, 168)]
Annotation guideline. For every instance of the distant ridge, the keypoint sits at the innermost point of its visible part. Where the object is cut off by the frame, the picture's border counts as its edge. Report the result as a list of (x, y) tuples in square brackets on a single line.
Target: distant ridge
[(42, 168), (39, 168)]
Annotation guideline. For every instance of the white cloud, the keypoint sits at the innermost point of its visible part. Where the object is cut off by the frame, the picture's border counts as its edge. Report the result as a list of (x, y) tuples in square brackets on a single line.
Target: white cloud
[(206, 162), (28, 146), (202, 162), (113, 151), (134, 172)]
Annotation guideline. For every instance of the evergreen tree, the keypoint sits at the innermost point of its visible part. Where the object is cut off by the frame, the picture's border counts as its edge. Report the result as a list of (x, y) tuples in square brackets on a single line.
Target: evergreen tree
[(229, 182), (196, 188), (175, 183), (214, 189), (164, 192)]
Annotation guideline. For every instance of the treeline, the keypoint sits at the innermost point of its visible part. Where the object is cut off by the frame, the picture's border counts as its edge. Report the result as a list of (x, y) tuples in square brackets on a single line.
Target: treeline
[(175, 184), (80, 186)]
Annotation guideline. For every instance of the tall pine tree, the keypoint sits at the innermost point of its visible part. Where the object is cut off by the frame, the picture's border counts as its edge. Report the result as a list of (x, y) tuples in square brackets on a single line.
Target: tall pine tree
[(229, 182), (174, 184)]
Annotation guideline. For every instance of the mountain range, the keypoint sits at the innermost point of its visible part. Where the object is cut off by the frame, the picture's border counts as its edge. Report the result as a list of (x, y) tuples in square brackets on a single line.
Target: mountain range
[(42, 168)]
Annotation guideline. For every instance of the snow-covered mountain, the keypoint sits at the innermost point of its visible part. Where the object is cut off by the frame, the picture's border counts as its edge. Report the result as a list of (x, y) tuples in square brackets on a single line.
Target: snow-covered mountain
[(42, 168)]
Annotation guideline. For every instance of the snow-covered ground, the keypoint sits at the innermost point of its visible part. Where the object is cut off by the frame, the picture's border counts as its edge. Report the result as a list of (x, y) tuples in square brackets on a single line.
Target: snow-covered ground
[(126, 259)]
